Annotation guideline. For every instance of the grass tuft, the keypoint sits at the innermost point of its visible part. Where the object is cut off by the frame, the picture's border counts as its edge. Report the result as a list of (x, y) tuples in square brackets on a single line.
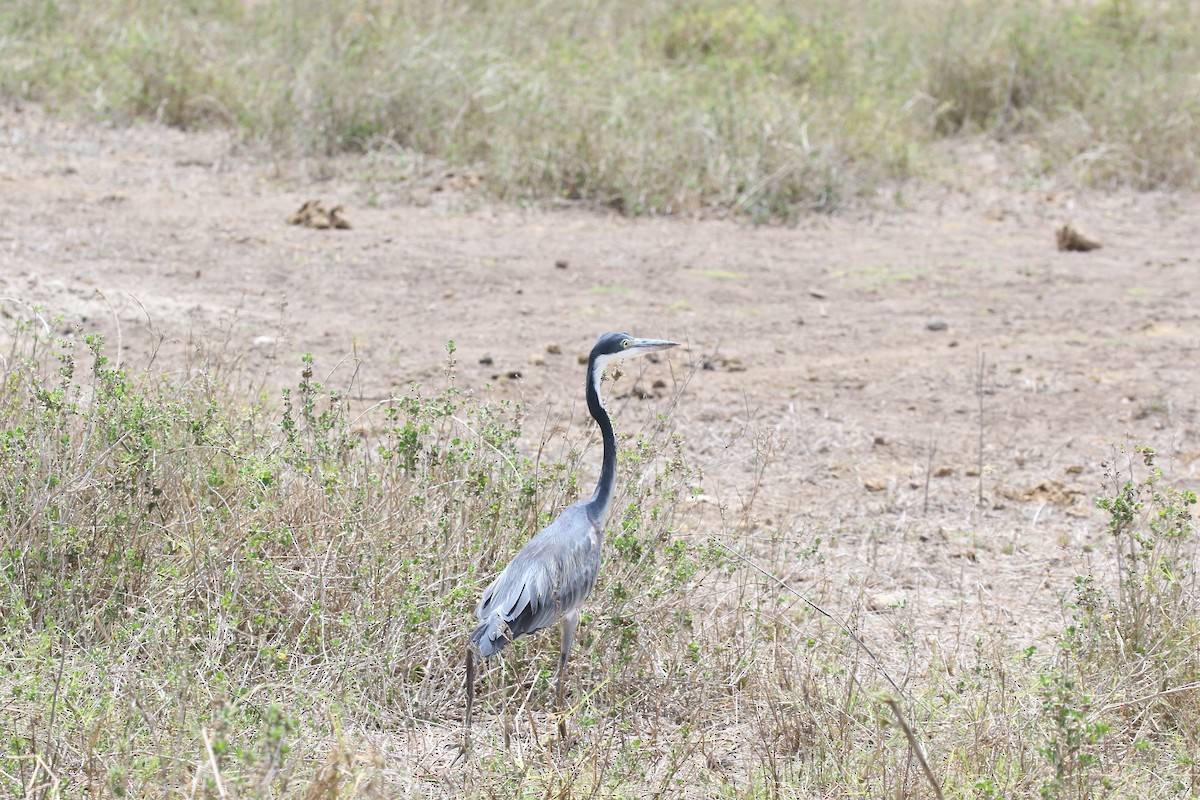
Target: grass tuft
[(769, 109)]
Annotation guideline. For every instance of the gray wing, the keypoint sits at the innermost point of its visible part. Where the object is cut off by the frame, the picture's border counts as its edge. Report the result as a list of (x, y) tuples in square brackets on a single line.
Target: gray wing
[(551, 576)]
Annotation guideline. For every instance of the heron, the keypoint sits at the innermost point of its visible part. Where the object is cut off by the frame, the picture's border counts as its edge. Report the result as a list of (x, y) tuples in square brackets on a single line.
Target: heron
[(553, 574)]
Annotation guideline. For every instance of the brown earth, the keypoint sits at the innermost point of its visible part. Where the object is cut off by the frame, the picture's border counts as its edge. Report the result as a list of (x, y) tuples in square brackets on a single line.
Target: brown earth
[(931, 389)]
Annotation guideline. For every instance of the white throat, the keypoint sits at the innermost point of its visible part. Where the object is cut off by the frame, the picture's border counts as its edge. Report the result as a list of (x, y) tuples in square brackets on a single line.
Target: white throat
[(598, 373)]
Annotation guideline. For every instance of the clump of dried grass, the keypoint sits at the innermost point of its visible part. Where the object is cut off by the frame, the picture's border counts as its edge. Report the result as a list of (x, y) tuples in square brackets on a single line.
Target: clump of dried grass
[(767, 109)]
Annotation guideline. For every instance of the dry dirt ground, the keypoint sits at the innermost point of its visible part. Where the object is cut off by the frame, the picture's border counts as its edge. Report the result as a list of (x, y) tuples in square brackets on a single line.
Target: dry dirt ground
[(876, 361)]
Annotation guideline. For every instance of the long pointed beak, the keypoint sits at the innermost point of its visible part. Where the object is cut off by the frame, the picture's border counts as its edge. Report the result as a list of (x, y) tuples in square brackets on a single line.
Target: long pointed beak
[(649, 345)]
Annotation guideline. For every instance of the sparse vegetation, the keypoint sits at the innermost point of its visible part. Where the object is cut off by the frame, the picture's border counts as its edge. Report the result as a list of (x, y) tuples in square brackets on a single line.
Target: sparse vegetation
[(766, 108), (206, 593), (214, 596)]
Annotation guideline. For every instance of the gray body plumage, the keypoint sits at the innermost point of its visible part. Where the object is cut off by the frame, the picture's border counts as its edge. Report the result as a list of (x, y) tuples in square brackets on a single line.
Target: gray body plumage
[(547, 581)]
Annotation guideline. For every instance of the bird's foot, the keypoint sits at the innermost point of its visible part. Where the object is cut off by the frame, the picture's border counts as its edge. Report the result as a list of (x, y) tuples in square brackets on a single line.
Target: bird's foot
[(463, 746), (559, 719)]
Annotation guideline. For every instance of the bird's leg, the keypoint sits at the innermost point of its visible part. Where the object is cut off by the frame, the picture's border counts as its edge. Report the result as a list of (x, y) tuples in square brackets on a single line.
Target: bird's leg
[(470, 698), (470, 685), (569, 623)]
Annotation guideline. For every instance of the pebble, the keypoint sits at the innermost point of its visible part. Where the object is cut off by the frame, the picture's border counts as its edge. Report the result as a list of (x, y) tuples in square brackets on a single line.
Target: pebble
[(886, 601)]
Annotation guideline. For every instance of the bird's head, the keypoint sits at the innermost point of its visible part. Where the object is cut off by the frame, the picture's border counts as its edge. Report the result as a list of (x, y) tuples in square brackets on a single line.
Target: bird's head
[(618, 345)]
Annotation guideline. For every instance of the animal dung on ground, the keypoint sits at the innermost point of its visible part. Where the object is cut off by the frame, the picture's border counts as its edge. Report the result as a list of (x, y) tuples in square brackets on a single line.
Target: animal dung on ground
[(1072, 240), (313, 214), (722, 363), (1050, 491)]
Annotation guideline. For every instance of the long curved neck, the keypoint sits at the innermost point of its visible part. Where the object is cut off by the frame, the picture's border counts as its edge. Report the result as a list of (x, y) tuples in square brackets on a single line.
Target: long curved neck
[(597, 507)]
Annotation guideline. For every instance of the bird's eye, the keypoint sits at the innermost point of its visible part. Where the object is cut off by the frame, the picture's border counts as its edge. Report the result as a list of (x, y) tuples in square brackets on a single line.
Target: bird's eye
[(624, 343)]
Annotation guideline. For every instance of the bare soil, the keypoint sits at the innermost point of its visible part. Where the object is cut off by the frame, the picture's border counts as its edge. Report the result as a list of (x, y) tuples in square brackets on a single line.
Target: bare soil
[(932, 388)]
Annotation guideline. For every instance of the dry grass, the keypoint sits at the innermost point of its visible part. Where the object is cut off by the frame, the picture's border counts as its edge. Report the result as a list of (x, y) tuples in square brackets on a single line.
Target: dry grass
[(209, 597), (765, 108)]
